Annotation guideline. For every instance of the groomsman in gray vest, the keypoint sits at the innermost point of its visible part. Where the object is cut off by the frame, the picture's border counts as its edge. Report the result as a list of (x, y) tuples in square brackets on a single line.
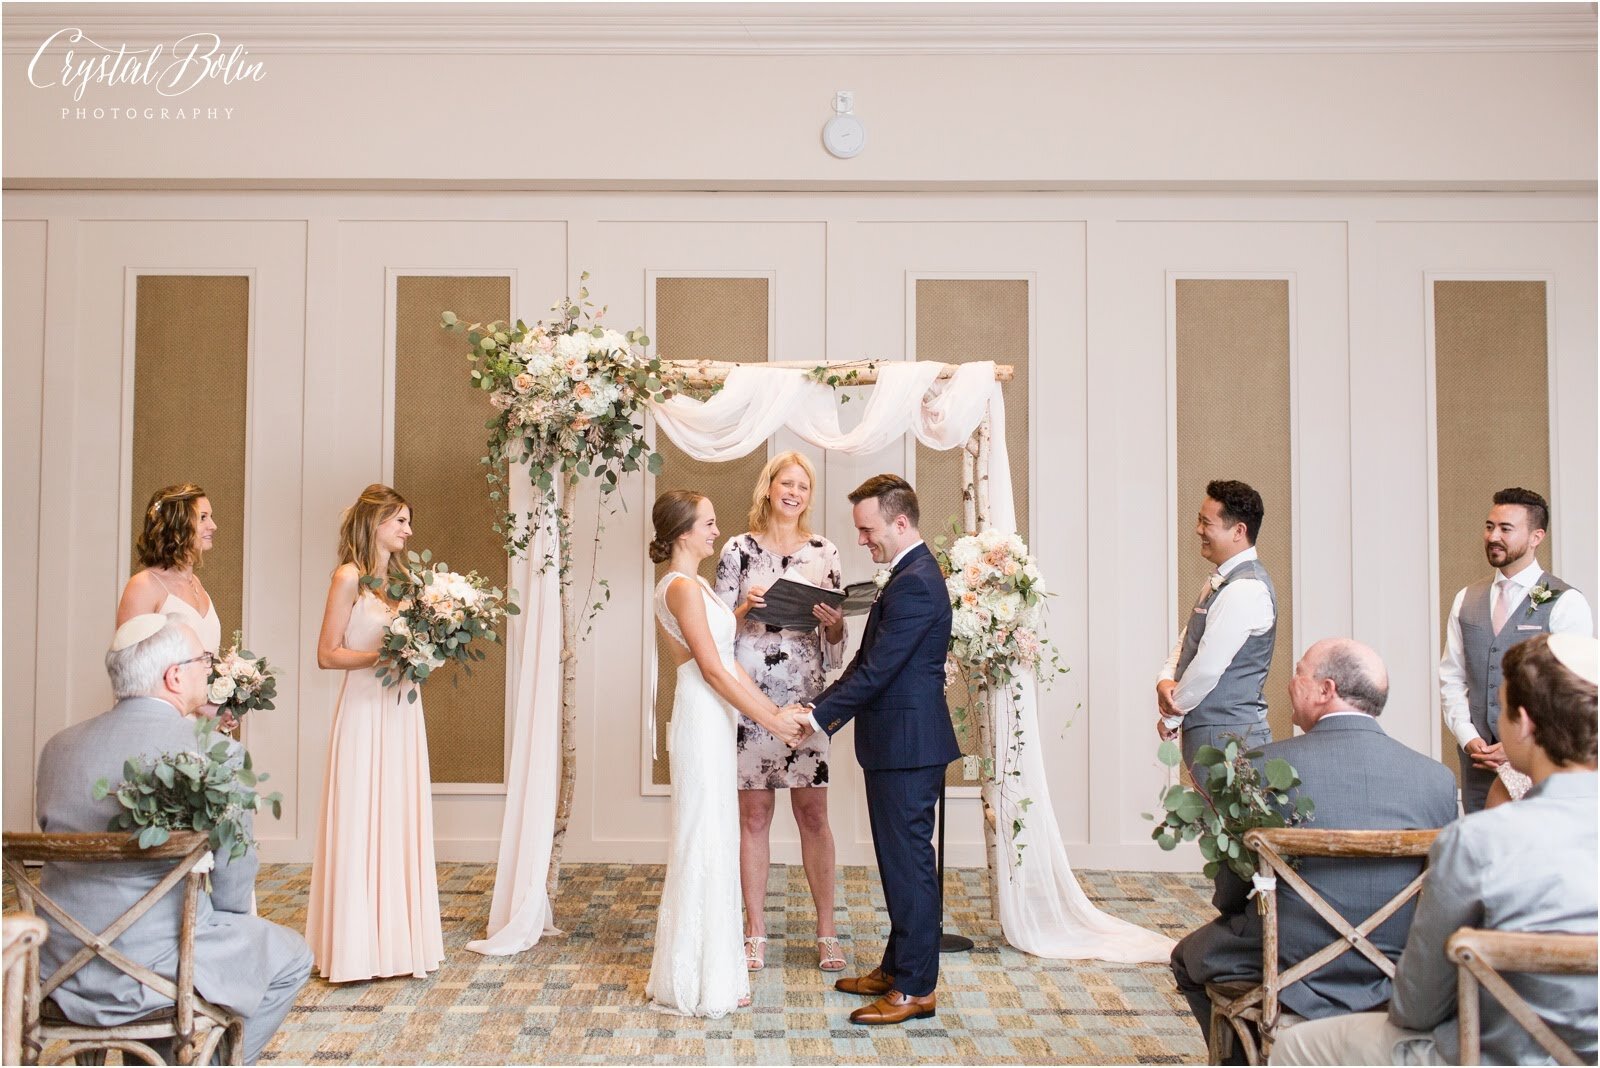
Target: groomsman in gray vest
[(1211, 684), (1516, 602)]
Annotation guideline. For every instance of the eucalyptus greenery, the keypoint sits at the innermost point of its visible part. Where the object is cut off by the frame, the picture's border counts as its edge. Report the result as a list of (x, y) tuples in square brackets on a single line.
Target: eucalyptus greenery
[(830, 376), (195, 790), (1236, 800)]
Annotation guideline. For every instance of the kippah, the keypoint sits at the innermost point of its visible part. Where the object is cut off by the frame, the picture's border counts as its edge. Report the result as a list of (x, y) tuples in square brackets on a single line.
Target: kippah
[(137, 630), (1579, 654)]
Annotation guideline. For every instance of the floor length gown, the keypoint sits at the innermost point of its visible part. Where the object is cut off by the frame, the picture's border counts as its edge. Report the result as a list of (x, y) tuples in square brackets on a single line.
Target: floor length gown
[(698, 968), (374, 905)]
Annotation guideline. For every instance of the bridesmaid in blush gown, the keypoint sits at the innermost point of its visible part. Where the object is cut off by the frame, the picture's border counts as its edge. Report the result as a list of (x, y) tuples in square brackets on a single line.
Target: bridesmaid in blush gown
[(374, 905), (178, 531)]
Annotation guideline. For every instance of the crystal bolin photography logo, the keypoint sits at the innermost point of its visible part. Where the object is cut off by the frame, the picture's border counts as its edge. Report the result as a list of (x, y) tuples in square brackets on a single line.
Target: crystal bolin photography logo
[(166, 71)]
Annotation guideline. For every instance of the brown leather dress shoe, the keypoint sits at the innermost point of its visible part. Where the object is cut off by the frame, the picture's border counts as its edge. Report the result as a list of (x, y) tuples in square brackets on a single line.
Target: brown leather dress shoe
[(895, 1007), (873, 984)]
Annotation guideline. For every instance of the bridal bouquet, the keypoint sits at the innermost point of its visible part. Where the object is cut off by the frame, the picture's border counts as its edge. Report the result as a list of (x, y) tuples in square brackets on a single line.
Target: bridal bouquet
[(997, 607), (441, 614), (204, 789), (567, 393), (240, 682)]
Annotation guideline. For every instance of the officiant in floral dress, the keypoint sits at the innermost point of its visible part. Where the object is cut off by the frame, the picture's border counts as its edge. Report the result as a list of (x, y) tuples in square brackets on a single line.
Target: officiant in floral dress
[(789, 665)]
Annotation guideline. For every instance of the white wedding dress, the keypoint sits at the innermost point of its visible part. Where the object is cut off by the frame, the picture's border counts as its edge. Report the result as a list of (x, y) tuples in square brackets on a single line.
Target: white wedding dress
[(698, 968)]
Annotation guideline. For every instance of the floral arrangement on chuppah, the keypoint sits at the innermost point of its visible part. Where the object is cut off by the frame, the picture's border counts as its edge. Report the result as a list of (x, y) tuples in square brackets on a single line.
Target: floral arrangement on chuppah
[(440, 614), (996, 638), (568, 393)]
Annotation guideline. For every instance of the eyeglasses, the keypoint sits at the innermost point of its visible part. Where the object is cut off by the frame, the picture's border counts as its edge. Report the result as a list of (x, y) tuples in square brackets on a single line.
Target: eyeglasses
[(205, 658)]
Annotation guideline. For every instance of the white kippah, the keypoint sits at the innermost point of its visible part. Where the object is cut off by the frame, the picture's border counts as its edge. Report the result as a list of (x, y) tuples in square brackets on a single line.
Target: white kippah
[(137, 630), (1579, 654)]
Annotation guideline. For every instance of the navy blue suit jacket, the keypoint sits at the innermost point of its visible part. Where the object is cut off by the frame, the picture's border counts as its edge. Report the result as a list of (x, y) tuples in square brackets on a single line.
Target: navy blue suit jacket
[(894, 686)]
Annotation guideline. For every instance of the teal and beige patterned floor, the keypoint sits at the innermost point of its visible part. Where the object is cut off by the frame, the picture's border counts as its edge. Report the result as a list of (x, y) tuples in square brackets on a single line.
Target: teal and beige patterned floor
[(579, 998)]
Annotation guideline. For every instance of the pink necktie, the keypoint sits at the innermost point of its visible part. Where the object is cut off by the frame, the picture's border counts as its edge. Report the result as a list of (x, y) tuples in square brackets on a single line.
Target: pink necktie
[(1502, 604)]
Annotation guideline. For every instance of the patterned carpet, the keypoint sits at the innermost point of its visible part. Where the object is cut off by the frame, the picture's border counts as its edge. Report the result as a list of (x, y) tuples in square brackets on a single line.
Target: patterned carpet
[(579, 999)]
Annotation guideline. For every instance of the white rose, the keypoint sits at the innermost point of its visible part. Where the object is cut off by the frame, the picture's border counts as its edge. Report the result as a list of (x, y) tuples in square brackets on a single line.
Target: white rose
[(576, 367), (399, 626), (220, 690)]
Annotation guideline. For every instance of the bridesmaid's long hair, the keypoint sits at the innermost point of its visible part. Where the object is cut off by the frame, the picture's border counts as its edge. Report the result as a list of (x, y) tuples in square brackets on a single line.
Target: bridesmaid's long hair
[(673, 515), (761, 507), (358, 528), (167, 539)]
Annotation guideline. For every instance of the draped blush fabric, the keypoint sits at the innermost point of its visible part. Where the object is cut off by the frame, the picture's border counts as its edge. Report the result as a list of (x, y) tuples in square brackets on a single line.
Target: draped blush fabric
[(520, 912), (1042, 908)]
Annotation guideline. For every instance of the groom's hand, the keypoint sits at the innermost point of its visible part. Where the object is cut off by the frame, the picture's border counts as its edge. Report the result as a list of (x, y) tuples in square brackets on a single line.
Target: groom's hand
[(797, 725)]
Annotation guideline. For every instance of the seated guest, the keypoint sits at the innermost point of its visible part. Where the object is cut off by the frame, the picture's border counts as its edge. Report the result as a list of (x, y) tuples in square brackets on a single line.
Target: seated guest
[(243, 963), (1360, 779), (1529, 866)]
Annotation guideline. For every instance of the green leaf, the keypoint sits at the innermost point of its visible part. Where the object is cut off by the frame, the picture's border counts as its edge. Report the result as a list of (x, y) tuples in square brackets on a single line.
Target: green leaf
[(1208, 755), (1280, 776), (152, 836), (1169, 754)]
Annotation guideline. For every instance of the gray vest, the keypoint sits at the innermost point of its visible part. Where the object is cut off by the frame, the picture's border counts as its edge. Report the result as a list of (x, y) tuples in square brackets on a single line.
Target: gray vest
[(1236, 699), (1482, 648)]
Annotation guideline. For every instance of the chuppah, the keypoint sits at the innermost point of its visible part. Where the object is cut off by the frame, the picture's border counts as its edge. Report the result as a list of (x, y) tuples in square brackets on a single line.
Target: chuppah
[(1040, 906)]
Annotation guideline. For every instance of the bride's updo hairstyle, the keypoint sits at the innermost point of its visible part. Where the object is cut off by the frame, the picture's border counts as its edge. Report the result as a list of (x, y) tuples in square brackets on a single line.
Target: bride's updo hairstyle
[(167, 539), (358, 528), (674, 516)]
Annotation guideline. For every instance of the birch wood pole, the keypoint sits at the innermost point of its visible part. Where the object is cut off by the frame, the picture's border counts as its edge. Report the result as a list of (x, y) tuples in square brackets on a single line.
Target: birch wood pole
[(975, 501), (569, 689)]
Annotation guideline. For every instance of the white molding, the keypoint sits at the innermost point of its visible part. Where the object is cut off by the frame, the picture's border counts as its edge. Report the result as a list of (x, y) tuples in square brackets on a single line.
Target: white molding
[(867, 29)]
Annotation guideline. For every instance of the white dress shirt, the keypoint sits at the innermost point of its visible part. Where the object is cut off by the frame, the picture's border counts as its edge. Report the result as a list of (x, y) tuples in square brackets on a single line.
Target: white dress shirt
[(1569, 615), (1240, 611), (899, 556)]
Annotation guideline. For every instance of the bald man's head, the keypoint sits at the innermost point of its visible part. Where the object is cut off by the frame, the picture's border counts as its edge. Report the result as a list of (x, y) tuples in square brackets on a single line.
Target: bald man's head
[(1356, 671)]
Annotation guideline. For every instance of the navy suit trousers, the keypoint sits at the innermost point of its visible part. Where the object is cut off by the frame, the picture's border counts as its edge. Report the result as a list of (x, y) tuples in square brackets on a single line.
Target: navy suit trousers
[(901, 804)]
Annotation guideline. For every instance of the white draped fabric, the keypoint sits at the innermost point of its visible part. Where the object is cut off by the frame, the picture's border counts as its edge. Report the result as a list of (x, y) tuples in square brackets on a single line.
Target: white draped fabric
[(1042, 909), (520, 912)]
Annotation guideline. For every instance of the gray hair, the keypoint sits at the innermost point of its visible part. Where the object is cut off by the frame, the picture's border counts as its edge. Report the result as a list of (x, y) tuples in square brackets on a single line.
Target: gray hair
[(136, 671), (1357, 674)]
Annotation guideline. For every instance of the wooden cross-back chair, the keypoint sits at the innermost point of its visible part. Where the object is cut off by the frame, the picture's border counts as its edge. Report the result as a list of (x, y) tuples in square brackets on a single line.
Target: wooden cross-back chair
[(1480, 957), (22, 936), (1237, 1006), (196, 1028)]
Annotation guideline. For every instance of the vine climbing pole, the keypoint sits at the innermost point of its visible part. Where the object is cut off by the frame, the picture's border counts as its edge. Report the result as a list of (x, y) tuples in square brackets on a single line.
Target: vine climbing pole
[(975, 504)]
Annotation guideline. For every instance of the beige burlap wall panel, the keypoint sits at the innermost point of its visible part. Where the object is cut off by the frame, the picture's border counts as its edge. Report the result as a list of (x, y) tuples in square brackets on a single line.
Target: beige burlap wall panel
[(714, 319), (1492, 406), (960, 320), (1233, 423), (191, 379), (438, 443)]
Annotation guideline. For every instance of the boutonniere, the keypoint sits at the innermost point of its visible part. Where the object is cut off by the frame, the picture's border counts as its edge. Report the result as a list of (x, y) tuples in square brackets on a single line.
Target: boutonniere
[(881, 579), (1215, 578), (1539, 595)]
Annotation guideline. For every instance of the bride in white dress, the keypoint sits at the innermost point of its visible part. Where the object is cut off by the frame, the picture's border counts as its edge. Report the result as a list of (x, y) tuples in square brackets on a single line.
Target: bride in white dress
[(698, 968)]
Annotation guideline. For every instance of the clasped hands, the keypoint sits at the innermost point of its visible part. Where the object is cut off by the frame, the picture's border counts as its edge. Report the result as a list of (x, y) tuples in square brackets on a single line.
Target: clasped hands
[(794, 725), (1484, 755)]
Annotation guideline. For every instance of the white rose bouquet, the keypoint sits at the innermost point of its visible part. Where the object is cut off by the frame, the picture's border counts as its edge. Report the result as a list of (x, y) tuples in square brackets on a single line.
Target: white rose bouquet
[(441, 614), (240, 682), (567, 394)]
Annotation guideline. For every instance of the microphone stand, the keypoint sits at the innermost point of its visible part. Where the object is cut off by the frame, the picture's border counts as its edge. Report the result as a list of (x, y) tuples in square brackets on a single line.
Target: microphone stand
[(948, 943)]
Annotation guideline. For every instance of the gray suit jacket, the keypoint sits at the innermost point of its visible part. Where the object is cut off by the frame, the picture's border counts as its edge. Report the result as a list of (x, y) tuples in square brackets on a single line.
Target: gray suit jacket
[(1526, 866), (232, 965), (1360, 779)]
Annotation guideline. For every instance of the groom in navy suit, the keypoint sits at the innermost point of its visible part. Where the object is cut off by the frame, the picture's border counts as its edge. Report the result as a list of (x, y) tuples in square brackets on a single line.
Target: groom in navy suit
[(894, 688)]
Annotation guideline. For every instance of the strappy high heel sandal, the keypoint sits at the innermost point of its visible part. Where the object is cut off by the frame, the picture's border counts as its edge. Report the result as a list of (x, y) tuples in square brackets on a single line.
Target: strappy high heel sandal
[(830, 955), (755, 952)]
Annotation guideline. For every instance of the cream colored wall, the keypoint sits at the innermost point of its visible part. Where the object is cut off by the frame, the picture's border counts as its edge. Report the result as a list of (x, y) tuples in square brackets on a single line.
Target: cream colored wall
[(844, 266), (364, 97)]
